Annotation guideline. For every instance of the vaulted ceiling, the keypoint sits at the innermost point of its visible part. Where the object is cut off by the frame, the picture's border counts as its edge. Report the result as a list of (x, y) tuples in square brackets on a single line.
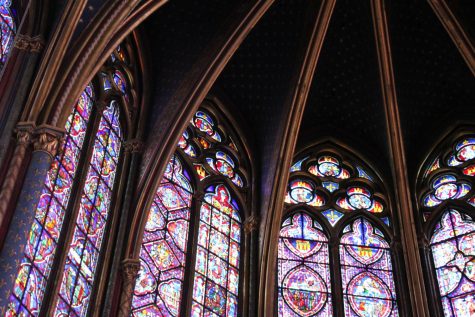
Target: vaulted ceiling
[(435, 87)]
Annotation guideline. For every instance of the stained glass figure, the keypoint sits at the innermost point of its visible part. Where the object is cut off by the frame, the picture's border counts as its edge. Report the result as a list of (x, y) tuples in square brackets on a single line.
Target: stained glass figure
[(204, 123), (158, 290), (30, 285), (446, 187), (223, 164), (328, 166), (360, 198), (84, 250), (216, 277), (303, 191), (120, 82), (8, 30), (366, 271), (303, 269), (453, 251)]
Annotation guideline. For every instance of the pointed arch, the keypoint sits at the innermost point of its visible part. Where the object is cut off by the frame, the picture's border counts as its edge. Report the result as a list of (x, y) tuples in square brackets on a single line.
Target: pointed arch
[(65, 247), (446, 201), (206, 277), (348, 203)]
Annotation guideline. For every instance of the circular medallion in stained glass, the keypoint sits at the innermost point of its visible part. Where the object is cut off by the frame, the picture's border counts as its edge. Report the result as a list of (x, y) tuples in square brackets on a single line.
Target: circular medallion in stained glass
[(224, 168), (359, 198), (304, 291), (466, 153), (329, 166), (204, 122), (446, 191), (301, 191), (369, 296)]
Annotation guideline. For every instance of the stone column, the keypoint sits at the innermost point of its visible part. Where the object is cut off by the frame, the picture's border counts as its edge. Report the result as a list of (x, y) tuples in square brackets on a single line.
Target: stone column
[(45, 146), (24, 133), (130, 271)]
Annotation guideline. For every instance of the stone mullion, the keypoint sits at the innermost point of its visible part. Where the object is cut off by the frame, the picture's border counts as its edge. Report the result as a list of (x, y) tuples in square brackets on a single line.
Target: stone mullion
[(46, 144), (133, 149), (24, 135)]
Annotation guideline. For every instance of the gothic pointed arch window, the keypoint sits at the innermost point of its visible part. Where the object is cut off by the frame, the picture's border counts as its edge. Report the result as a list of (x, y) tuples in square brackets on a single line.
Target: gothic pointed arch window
[(63, 253), (446, 217), (191, 252), (334, 246), (7, 30)]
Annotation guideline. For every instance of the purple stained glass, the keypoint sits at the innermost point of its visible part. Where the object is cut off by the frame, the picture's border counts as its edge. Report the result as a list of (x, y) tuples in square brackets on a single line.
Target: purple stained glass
[(216, 278), (158, 290), (120, 82), (304, 286), (29, 287), (7, 29), (366, 272), (453, 251), (84, 250)]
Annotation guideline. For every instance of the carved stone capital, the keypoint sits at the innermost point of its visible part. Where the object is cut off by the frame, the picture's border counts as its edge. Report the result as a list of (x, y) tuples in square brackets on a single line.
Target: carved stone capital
[(130, 269), (48, 139), (251, 224), (133, 146), (24, 133), (28, 43)]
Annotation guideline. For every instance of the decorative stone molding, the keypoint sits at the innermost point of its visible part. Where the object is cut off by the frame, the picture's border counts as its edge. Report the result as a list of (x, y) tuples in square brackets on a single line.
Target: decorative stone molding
[(134, 146), (130, 271), (27, 43), (48, 139), (24, 133), (251, 224)]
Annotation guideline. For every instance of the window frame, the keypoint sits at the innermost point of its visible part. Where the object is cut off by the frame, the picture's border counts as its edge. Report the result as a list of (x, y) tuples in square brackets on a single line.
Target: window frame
[(243, 197), (441, 150), (348, 159)]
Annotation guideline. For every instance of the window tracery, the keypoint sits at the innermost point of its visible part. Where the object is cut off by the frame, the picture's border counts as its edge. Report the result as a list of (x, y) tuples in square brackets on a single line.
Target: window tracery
[(333, 201), (97, 147), (209, 181), (447, 199)]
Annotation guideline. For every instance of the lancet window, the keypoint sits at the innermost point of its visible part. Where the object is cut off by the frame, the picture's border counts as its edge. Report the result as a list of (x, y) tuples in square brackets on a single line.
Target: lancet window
[(334, 246), (72, 216), (192, 247)]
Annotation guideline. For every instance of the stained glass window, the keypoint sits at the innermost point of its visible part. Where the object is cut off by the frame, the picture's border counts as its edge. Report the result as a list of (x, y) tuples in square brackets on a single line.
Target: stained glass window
[(30, 283), (89, 213), (8, 30), (326, 189), (84, 250), (214, 272), (366, 271), (449, 178), (303, 268), (216, 281), (158, 290), (453, 251)]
